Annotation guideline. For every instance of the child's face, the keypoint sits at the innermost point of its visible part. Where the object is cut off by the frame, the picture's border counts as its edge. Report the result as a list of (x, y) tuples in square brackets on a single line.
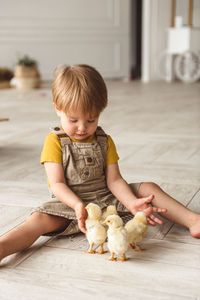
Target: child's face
[(77, 125)]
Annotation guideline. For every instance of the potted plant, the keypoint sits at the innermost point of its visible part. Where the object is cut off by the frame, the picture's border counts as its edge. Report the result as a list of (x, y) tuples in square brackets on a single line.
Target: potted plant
[(26, 73)]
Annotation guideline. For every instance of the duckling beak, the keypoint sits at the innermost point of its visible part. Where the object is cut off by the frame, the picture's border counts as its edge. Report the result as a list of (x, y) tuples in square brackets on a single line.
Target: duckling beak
[(105, 222)]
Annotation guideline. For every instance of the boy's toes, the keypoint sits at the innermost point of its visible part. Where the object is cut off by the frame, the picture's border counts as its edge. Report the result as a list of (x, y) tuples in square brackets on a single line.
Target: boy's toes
[(195, 229), (195, 233)]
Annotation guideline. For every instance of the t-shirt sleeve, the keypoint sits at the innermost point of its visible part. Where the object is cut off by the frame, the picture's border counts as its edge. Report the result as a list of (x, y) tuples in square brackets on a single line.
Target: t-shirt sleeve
[(52, 150), (112, 156)]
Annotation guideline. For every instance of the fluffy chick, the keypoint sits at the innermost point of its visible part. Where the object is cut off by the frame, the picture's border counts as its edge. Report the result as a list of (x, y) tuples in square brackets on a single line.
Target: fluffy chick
[(117, 237), (136, 228), (110, 210), (96, 232)]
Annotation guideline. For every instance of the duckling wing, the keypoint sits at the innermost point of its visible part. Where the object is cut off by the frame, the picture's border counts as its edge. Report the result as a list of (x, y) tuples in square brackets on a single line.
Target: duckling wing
[(96, 232), (136, 231), (118, 241)]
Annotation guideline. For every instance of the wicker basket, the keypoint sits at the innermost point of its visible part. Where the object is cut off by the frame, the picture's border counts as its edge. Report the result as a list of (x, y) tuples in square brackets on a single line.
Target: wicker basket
[(26, 72), (27, 77), (27, 83)]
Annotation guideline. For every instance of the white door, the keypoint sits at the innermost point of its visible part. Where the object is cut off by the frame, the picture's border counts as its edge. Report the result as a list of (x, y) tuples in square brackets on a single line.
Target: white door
[(95, 32)]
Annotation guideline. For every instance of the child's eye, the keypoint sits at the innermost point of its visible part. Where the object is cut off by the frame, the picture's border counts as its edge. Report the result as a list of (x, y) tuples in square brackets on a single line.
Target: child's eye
[(90, 121), (73, 121)]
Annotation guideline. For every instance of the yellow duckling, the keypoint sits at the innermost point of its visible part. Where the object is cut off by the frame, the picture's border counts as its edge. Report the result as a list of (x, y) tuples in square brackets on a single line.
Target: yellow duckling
[(136, 228), (117, 237), (96, 232)]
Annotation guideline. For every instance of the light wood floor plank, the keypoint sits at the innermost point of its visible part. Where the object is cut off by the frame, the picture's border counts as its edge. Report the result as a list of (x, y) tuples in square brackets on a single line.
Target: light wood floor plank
[(24, 284), (24, 193), (181, 234), (12, 216), (14, 259), (165, 276), (156, 128)]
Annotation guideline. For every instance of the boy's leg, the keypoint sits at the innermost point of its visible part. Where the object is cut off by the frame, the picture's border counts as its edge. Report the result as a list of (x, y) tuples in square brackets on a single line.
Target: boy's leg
[(176, 212), (24, 235)]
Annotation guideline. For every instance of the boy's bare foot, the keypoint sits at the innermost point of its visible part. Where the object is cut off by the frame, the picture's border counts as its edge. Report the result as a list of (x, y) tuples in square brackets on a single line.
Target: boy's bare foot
[(1, 254), (195, 228)]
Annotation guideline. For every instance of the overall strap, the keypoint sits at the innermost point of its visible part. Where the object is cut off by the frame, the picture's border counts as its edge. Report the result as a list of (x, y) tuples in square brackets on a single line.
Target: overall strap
[(102, 140), (63, 137), (64, 140)]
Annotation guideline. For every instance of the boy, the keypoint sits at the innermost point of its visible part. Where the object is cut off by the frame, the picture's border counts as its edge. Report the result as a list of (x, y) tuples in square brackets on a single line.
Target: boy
[(81, 163)]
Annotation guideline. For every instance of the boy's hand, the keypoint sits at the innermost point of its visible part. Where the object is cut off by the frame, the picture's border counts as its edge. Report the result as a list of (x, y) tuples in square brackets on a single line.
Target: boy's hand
[(81, 214), (142, 204)]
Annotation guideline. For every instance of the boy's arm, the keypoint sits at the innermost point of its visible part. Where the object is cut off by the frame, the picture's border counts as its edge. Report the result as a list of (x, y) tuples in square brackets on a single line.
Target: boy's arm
[(55, 174), (122, 191)]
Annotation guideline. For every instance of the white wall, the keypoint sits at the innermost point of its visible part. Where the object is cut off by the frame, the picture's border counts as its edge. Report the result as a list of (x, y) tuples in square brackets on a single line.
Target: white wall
[(95, 32), (154, 31), (181, 9)]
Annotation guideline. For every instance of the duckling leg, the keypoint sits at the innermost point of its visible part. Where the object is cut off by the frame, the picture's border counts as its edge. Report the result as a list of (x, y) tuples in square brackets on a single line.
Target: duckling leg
[(91, 251), (123, 258), (132, 246), (112, 257), (101, 251)]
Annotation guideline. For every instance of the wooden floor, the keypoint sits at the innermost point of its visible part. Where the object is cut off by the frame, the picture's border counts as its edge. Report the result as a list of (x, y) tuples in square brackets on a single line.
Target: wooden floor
[(156, 128)]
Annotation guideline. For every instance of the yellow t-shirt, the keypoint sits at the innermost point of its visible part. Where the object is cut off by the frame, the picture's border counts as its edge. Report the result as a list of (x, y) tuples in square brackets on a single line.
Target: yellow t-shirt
[(52, 149)]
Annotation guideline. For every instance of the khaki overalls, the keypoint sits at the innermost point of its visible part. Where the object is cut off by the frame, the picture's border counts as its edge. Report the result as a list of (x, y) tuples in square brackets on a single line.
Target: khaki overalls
[(84, 168)]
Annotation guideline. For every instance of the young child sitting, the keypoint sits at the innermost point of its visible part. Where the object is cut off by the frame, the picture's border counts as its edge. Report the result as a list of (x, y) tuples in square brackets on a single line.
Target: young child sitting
[(81, 163)]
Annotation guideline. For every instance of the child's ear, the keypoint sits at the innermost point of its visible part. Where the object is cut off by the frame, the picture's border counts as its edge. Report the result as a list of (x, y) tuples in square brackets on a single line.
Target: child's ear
[(57, 109)]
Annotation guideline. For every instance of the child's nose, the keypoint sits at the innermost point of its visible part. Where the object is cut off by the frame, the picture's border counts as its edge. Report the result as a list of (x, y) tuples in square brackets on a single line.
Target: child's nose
[(82, 127)]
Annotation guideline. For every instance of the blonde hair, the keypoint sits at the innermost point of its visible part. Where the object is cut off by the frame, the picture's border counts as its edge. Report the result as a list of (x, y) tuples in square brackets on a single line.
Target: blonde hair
[(79, 87)]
